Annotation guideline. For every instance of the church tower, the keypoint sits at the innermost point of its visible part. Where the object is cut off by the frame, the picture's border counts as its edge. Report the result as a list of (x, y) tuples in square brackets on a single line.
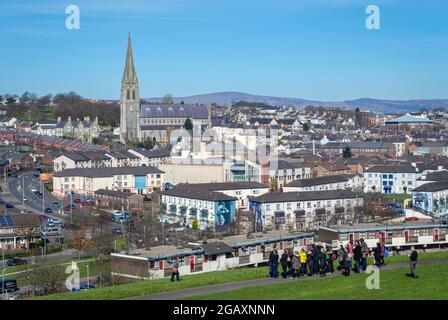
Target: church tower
[(129, 101)]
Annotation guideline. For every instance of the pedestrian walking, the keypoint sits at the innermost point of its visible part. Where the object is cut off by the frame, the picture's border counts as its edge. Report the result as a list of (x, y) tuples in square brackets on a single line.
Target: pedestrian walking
[(175, 269), (382, 253), (413, 257)]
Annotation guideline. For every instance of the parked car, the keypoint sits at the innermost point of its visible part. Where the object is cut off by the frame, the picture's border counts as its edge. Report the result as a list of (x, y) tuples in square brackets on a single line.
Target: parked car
[(67, 208), (86, 287), (72, 206), (117, 230), (53, 222), (34, 189), (50, 231), (16, 262), (36, 174), (77, 200), (13, 175), (85, 204), (48, 210), (9, 206), (56, 204), (39, 195)]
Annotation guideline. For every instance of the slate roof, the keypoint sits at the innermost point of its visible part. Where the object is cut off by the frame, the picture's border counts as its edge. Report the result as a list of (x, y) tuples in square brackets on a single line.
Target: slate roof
[(432, 187), (198, 194), (303, 196), (156, 153), (319, 181), (173, 111), (113, 193), (393, 169), (213, 248), (223, 185), (107, 172)]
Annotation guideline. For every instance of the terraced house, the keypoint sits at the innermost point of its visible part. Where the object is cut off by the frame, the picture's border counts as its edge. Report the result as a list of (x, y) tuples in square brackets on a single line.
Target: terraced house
[(305, 210), (198, 208), (431, 198), (83, 130), (141, 180)]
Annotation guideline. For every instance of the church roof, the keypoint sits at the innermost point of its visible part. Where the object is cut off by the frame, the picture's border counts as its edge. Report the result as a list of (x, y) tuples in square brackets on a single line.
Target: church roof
[(173, 111)]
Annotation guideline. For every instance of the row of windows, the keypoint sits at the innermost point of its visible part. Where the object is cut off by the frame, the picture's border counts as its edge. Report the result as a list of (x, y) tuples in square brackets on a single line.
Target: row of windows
[(298, 205), (190, 202)]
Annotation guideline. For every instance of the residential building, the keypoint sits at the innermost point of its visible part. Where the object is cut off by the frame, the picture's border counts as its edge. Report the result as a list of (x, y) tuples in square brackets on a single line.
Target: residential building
[(352, 182), (141, 180), (18, 231), (305, 210), (431, 198), (82, 130)]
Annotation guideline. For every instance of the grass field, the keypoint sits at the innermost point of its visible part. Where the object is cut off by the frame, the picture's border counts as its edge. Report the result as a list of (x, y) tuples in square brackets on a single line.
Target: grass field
[(394, 284), (161, 285)]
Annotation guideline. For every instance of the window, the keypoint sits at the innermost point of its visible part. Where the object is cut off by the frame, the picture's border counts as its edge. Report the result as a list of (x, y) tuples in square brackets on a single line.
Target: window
[(384, 176), (268, 207), (288, 206), (279, 206), (391, 176)]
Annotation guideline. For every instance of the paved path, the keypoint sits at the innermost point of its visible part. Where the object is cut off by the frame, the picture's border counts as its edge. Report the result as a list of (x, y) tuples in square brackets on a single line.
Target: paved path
[(185, 293)]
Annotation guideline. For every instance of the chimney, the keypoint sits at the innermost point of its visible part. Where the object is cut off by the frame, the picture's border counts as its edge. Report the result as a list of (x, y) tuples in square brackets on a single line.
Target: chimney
[(59, 119), (69, 119)]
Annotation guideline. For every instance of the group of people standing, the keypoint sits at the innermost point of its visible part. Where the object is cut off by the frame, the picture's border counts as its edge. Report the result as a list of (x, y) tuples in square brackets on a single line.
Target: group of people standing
[(320, 260)]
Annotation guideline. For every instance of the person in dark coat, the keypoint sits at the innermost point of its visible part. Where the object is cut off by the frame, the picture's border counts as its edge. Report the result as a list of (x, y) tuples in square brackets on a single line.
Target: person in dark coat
[(316, 255), (323, 262), (413, 257), (289, 262), (273, 263), (284, 264), (377, 255), (309, 262), (357, 253)]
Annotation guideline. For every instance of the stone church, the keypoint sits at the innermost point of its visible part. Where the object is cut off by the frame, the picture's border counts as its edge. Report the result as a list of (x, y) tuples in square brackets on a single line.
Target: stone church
[(141, 121)]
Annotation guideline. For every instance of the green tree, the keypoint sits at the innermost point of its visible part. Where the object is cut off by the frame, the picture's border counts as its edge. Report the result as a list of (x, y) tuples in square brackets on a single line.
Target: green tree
[(188, 125), (306, 127), (347, 153), (195, 224)]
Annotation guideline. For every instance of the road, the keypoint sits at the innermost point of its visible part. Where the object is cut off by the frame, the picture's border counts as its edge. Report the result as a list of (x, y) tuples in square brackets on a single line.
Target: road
[(186, 293)]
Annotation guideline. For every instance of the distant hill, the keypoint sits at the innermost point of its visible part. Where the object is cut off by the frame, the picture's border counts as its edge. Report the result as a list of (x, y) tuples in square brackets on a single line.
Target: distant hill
[(226, 98)]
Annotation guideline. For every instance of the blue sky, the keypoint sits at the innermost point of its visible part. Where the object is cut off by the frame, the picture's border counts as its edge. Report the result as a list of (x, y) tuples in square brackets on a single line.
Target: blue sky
[(315, 49)]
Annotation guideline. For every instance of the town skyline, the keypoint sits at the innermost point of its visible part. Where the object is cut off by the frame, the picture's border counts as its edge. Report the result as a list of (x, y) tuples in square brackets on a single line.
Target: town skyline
[(315, 52)]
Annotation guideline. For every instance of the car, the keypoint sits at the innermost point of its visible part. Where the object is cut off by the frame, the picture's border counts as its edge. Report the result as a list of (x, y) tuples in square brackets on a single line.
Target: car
[(412, 219), (56, 204), (50, 231), (29, 211), (53, 221), (48, 210), (9, 206), (34, 189), (117, 230), (13, 175), (85, 204), (89, 199), (67, 208), (77, 200), (39, 195), (86, 287), (36, 174), (72, 206), (16, 262), (25, 199)]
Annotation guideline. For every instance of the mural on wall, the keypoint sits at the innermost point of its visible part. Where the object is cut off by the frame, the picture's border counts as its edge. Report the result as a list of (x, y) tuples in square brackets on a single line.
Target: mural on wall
[(256, 207), (224, 214)]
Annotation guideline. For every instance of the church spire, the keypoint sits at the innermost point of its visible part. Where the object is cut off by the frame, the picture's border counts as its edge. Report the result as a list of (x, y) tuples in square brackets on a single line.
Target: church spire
[(129, 74)]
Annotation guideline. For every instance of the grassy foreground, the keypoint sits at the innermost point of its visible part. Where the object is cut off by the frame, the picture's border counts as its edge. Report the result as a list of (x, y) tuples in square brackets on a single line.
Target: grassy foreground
[(218, 277), (432, 284)]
